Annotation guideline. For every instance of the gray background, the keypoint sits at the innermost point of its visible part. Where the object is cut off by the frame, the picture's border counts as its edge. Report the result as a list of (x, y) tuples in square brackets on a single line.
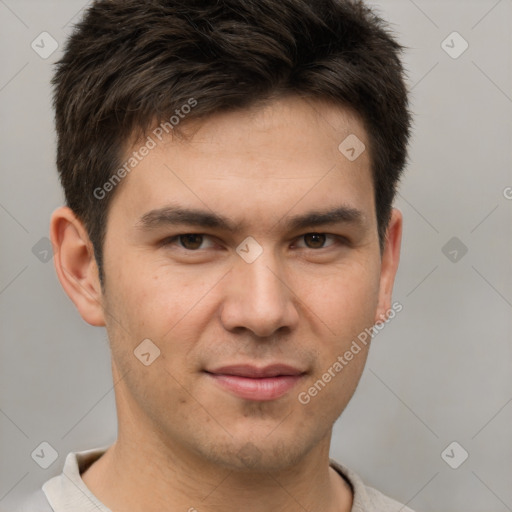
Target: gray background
[(439, 372)]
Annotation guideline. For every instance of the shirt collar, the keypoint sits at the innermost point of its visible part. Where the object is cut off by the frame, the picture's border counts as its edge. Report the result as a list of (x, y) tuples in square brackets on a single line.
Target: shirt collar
[(68, 491)]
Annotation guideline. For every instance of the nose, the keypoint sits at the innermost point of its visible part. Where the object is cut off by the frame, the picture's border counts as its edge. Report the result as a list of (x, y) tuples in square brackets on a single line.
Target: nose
[(258, 298)]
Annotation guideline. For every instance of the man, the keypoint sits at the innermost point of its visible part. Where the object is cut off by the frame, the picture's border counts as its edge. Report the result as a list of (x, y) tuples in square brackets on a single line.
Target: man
[(229, 170)]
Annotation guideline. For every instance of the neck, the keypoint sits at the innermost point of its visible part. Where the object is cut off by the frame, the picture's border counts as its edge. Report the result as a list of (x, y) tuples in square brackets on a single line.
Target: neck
[(139, 476)]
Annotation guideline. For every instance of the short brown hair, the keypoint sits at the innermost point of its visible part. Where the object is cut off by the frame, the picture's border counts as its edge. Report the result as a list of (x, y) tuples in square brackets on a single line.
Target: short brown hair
[(131, 62)]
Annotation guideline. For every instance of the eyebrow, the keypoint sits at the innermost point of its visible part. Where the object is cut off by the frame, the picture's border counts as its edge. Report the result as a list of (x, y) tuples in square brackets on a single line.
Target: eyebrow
[(175, 215)]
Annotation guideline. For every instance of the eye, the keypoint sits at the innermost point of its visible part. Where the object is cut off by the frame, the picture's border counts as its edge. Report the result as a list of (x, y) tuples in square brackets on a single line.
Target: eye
[(317, 240), (188, 241)]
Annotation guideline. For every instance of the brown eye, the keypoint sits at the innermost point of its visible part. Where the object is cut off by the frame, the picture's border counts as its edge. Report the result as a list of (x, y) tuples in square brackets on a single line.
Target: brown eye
[(315, 240), (191, 242)]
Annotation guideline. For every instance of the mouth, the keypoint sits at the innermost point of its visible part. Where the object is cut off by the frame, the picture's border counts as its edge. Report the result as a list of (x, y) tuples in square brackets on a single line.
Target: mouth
[(257, 383)]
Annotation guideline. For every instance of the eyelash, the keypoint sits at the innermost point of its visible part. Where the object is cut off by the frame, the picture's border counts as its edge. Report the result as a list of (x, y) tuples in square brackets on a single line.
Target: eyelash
[(337, 238)]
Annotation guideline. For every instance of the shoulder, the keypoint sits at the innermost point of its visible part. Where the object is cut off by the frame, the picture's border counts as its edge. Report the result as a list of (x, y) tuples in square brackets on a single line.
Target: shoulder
[(382, 503), (366, 498), (34, 502)]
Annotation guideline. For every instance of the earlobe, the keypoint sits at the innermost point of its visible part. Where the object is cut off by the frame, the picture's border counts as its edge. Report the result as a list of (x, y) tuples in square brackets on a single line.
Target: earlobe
[(389, 264), (76, 265)]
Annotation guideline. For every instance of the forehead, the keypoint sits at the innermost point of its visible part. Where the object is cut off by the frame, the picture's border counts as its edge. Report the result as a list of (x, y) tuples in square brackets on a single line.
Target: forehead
[(284, 156)]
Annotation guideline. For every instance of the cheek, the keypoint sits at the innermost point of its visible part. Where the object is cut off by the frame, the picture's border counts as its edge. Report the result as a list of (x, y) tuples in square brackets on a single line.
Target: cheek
[(153, 299), (335, 389), (346, 304), (170, 309), (150, 306), (345, 300)]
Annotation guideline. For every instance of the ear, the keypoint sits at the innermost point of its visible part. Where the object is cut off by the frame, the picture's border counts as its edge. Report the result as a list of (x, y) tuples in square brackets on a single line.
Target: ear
[(389, 264), (76, 265)]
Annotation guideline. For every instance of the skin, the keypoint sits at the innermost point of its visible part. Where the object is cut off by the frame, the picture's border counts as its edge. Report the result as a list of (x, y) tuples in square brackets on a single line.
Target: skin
[(183, 441)]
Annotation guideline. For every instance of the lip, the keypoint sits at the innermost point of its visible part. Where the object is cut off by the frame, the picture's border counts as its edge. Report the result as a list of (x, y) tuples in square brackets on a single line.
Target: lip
[(257, 383)]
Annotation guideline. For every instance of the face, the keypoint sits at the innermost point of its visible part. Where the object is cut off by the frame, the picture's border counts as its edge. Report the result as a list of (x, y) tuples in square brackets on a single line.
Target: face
[(248, 255)]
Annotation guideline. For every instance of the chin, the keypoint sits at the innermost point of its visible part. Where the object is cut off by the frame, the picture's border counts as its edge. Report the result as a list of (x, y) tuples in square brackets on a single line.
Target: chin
[(257, 456)]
